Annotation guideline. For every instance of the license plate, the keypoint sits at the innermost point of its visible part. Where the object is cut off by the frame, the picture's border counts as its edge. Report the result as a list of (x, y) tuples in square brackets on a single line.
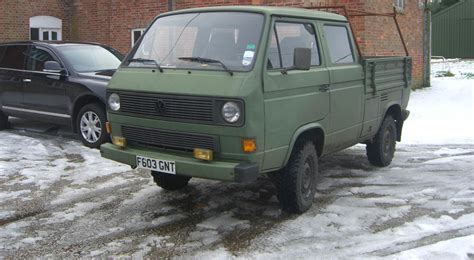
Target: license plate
[(156, 165)]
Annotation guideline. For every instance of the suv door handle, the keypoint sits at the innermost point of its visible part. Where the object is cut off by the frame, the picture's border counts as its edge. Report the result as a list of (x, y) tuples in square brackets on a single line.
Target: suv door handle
[(27, 80), (324, 88)]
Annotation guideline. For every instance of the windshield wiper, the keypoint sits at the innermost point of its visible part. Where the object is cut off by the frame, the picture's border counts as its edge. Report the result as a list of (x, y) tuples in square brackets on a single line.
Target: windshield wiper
[(207, 60), (145, 61)]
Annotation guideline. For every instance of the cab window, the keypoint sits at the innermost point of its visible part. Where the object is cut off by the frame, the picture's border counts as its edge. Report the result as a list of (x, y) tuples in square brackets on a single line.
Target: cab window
[(338, 42), (286, 37), (37, 58)]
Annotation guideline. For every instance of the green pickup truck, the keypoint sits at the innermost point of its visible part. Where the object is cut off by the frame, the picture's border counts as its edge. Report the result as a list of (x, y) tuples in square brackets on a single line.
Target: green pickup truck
[(231, 93)]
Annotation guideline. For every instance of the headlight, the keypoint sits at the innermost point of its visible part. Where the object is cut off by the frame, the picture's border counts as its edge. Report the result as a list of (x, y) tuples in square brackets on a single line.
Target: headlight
[(114, 101), (231, 112)]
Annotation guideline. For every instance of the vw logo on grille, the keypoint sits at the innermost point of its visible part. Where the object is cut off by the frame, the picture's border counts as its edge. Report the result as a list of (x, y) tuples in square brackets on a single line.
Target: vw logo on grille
[(160, 107)]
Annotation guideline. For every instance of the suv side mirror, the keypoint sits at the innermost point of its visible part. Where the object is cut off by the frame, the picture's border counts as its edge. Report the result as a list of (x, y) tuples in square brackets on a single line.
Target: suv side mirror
[(301, 60), (53, 67)]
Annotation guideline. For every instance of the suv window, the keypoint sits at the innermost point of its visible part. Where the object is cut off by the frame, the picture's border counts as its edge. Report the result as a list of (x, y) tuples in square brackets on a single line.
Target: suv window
[(340, 48), (37, 58), (286, 37), (13, 56)]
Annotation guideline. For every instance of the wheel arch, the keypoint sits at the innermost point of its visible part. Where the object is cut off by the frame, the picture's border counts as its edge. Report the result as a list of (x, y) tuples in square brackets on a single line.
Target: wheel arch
[(79, 103), (313, 132), (395, 111)]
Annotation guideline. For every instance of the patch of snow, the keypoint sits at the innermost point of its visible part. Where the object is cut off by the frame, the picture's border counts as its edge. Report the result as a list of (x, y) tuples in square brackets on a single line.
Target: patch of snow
[(205, 237), (455, 248), (442, 114), (151, 189), (167, 219), (30, 240), (116, 181), (224, 221), (70, 194), (147, 245), (446, 151), (219, 253), (9, 195), (79, 210)]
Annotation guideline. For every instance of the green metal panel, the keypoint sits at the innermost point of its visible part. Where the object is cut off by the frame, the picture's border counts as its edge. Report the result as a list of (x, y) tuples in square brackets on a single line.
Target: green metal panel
[(453, 31)]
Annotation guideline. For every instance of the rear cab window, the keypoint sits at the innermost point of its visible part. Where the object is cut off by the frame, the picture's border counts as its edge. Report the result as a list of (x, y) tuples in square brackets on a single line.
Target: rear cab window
[(286, 36), (13, 56), (339, 44)]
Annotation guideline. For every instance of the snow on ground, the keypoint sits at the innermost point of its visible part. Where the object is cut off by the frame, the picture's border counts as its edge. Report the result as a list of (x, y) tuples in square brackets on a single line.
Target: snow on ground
[(60, 199), (443, 113)]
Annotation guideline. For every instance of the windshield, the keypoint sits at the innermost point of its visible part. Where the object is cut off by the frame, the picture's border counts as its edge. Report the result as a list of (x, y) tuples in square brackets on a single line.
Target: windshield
[(89, 58), (228, 37)]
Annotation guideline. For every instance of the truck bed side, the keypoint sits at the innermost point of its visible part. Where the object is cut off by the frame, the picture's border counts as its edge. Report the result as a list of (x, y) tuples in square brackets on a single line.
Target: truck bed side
[(387, 82)]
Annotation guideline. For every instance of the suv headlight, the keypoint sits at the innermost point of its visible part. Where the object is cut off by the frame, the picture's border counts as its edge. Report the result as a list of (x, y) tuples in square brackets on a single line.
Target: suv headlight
[(231, 112), (114, 101)]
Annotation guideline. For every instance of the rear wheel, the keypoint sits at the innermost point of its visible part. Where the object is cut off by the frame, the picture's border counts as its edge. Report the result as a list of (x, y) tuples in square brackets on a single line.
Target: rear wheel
[(3, 121), (297, 181), (170, 181), (90, 124), (382, 149)]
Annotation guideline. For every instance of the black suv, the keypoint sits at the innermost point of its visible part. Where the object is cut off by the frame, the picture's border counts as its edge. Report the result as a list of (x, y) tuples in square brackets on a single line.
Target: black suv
[(58, 82)]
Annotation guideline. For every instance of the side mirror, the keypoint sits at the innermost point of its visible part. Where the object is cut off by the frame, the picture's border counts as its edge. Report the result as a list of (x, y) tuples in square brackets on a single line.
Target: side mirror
[(302, 59), (53, 67)]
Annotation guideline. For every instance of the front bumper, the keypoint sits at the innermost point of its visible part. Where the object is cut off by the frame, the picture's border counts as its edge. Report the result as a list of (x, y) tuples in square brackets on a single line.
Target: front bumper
[(188, 166)]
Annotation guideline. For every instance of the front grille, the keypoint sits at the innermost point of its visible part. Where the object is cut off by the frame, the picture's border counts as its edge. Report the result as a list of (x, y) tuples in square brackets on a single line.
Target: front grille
[(169, 140), (168, 107)]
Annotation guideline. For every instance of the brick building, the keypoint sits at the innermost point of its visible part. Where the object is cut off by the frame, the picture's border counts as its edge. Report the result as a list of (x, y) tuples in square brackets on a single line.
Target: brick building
[(119, 23)]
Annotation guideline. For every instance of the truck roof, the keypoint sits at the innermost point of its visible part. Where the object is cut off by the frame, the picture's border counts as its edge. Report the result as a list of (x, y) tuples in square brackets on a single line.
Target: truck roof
[(268, 10)]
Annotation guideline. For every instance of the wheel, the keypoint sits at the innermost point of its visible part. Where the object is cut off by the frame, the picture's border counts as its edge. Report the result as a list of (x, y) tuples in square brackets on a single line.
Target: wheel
[(170, 181), (90, 124), (3, 121), (297, 181), (382, 148)]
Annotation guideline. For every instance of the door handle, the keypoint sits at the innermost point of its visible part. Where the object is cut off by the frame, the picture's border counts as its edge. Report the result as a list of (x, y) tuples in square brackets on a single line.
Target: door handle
[(324, 88), (27, 80)]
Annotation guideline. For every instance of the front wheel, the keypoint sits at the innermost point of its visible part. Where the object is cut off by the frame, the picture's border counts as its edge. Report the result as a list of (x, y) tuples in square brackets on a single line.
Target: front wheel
[(3, 121), (297, 181), (170, 181), (381, 150), (90, 123)]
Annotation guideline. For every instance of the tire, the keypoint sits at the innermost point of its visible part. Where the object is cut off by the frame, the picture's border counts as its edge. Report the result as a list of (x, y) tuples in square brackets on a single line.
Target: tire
[(90, 124), (382, 149), (3, 121), (170, 181), (297, 181)]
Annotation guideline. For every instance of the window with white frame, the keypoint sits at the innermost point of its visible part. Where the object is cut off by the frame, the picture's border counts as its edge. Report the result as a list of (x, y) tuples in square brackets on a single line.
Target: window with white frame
[(136, 33), (399, 4), (45, 28)]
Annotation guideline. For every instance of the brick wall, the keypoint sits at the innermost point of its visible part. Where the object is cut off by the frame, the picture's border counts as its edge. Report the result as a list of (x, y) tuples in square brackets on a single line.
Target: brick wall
[(111, 21), (15, 17), (380, 36)]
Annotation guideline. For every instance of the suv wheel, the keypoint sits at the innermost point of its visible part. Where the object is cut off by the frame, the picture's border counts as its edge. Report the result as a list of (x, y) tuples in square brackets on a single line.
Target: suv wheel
[(170, 181), (297, 181), (90, 123), (3, 121), (380, 152)]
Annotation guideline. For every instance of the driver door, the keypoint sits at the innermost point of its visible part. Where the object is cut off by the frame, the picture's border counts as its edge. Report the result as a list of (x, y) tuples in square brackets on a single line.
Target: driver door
[(295, 98), (44, 92)]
